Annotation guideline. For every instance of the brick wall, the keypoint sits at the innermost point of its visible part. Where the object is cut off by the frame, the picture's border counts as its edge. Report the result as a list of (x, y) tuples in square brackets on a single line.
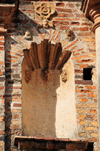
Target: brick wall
[(2, 87), (83, 51)]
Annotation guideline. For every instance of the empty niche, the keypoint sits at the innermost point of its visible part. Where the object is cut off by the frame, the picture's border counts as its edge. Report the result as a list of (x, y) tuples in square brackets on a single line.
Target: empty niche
[(48, 93)]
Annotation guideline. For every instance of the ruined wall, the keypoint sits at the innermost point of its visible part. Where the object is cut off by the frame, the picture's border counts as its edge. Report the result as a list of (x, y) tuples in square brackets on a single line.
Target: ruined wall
[(68, 16)]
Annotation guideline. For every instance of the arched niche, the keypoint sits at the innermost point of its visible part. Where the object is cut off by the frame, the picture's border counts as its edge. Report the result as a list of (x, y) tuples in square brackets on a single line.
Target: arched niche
[(48, 93)]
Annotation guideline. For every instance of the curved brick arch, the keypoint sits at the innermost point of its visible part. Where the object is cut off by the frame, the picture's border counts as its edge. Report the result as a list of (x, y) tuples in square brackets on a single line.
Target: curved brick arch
[(39, 35), (80, 54)]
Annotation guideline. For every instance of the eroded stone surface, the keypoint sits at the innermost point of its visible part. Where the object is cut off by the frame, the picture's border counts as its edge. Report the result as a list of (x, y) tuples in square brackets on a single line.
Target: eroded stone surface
[(28, 35), (48, 107), (44, 12)]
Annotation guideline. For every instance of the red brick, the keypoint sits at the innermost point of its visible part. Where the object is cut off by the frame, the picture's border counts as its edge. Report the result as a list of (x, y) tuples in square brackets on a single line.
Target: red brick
[(79, 15), (49, 138), (1, 43), (1, 88), (70, 5), (92, 111), (92, 95), (63, 10), (2, 48), (16, 105), (83, 65), (61, 22), (80, 57), (87, 24), (78, 71), (64, 27), (85, 61), (70, 45), (84, 91), (90, 87), (75, 28), (2, 132), (85, 34), (64, 15), (84, 82), (84, 29), (75, 23)]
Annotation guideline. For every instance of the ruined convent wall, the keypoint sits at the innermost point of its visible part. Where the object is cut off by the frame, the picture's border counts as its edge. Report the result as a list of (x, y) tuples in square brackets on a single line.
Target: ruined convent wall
[(70, 107)]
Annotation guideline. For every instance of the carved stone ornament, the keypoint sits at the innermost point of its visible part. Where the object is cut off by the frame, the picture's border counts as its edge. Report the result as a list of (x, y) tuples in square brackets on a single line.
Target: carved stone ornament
[(46, 24), (64, 76), (70, 35), (46, 56), (28, 35), (44, 13)]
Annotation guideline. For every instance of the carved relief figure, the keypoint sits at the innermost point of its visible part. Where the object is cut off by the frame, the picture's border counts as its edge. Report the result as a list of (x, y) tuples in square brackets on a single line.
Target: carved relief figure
[(44, 13), (28, 35), (64, 76)]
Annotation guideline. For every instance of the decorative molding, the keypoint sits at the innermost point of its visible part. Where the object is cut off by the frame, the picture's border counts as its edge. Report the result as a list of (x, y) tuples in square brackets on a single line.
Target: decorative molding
[(44, 13), (94, 12), (91, 9), (46, 56), (95, 26), (86, 6)]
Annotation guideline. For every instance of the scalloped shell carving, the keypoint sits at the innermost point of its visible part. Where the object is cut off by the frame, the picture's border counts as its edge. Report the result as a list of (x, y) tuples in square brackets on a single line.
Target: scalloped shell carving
[(46, 56)]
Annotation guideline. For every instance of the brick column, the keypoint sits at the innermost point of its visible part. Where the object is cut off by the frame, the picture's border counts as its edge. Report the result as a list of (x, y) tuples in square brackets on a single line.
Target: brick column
[(95, 16), (2, 87)]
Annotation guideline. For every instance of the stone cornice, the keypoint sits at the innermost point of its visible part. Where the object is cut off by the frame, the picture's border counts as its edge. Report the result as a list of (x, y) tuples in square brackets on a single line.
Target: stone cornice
[(87, 4)]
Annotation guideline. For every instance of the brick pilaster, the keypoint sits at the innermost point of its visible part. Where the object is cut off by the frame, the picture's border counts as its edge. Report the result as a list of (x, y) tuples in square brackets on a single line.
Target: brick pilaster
[(2, 87)]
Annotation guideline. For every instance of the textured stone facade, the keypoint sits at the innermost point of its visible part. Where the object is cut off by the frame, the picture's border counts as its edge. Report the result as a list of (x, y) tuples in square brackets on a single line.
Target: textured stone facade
[(83, 56)]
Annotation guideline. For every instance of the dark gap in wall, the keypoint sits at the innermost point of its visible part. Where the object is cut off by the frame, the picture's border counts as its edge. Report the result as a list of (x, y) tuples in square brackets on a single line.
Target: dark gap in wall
[(8, 1), (87, 73), (90, 146)]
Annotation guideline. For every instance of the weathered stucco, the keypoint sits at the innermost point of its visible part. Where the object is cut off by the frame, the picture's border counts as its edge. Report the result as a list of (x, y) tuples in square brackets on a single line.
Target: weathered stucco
[(48, 107)]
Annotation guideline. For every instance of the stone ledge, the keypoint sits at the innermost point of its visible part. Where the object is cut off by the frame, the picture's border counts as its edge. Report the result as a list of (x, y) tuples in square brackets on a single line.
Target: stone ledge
[(29, 142), (7, 6), (21, 138)]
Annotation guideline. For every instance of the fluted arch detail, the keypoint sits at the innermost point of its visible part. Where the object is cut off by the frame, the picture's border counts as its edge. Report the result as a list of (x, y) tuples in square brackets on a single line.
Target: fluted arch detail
[(46, 56)]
